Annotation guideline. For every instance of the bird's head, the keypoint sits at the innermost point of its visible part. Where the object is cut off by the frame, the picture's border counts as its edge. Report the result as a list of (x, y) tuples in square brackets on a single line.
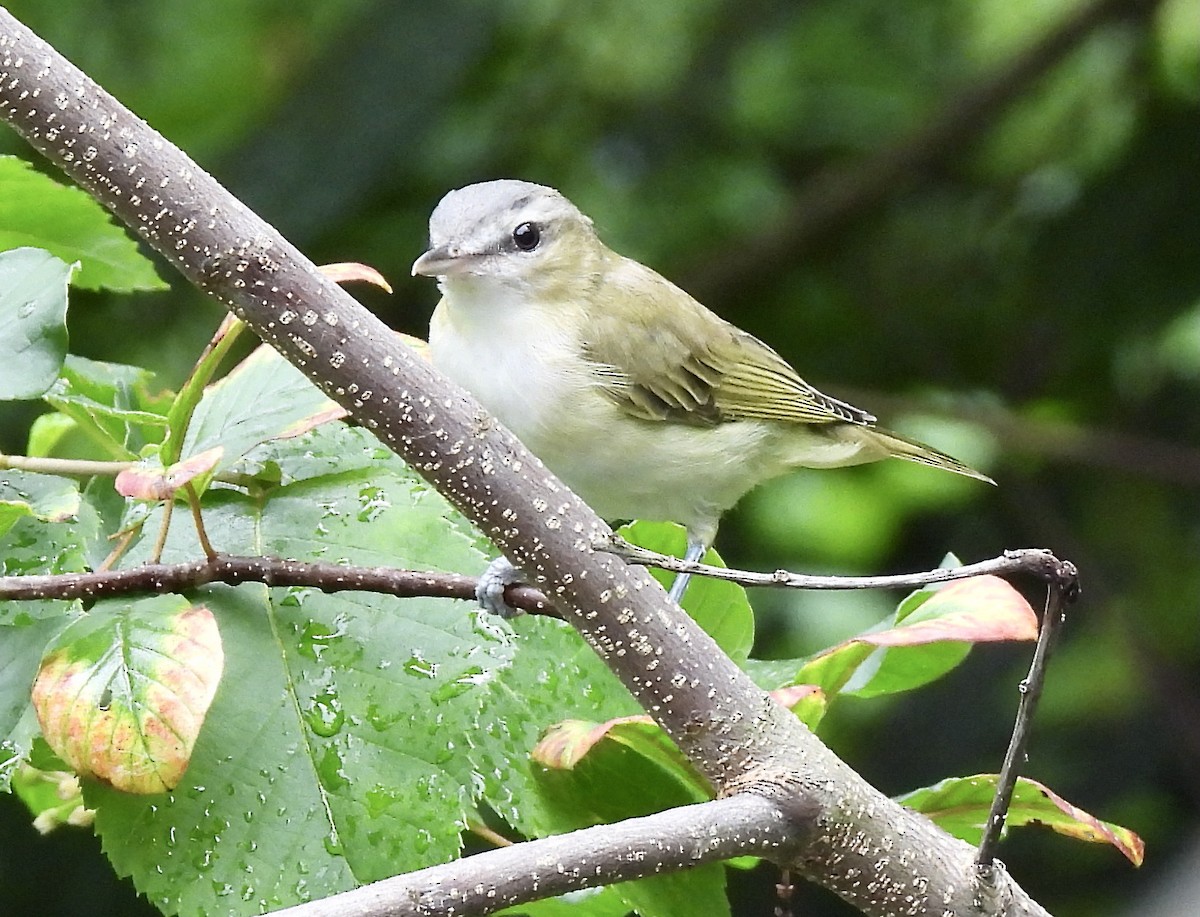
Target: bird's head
[(510, 233)]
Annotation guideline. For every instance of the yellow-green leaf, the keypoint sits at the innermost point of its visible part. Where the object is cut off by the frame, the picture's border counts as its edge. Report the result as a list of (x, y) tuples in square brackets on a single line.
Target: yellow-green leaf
[(122, 693)]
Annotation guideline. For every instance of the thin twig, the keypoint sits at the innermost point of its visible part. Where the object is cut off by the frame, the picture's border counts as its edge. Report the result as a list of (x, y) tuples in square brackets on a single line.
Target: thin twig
[(1031, 691), (193, 500), (1034, 561), (163, 527), (68, 467), (273, 571)]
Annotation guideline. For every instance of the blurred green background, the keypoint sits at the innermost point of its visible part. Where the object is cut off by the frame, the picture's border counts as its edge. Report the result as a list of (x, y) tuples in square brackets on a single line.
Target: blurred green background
[(979, 219)]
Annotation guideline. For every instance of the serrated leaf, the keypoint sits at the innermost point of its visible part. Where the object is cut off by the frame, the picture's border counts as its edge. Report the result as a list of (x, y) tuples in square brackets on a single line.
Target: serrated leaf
[(960, 805), (39, 212), (22, 641), (123, 692), (40, 496), (112, 404), (33, 314), (720, 607), (364, 711), (263, 398)]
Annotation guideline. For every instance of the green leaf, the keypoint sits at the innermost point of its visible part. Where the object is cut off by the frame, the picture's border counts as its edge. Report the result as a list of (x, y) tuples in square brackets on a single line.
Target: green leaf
[(930, 633), (33, 314), (718, 606), (263, 398), (931, 639), (960, 805), (41, 496), (341, 746), (23, 638), (122, 693), (112, 405), (36, 211), (566, 744), (555, 676), (592, 902)]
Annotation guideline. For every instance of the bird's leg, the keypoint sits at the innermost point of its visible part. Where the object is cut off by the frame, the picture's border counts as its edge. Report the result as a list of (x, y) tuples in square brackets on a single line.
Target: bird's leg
[(489, 591), (695, 551)]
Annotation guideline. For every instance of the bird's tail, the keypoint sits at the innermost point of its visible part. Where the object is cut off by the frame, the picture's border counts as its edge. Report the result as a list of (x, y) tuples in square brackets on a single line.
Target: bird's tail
[(910, 450)]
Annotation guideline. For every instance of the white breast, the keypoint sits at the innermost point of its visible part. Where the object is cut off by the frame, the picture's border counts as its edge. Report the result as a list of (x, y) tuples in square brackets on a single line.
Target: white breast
[(520, 366)]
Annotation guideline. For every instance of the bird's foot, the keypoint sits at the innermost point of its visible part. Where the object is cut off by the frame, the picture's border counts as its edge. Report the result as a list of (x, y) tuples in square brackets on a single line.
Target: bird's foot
[(695, 551), (489, 591)]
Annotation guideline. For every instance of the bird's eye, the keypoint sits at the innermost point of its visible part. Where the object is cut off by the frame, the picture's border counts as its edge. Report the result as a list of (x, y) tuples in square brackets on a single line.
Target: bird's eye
[(527, 236)]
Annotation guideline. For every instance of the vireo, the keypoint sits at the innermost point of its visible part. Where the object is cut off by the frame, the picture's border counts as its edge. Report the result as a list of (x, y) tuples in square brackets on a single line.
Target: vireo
[(640, 399)]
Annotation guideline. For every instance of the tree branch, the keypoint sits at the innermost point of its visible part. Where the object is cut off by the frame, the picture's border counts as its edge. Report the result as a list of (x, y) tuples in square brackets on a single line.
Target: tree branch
[(1034, 561), (865, 847), (271, 571), (655, 844)]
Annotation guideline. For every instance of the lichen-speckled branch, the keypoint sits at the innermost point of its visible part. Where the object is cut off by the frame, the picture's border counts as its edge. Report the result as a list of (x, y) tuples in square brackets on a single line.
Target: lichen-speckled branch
[(868, 849), (665, 842)]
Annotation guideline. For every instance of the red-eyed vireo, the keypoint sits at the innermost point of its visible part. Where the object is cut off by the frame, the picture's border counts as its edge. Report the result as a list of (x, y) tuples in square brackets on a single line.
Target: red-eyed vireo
[(639, 398)]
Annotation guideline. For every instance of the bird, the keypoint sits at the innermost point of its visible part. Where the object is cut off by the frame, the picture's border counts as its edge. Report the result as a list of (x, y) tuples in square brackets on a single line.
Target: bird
[(644, 402)]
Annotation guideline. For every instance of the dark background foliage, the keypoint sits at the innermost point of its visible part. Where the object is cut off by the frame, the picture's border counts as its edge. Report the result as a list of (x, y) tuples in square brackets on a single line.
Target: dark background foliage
[(972, 219)]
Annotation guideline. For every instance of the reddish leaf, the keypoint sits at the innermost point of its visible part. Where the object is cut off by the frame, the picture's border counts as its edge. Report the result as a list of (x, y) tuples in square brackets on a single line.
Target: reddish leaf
[(974, 610), (961, 806), (144, 482), (123, 692), (808, 702), (347, 271), (564, 744)]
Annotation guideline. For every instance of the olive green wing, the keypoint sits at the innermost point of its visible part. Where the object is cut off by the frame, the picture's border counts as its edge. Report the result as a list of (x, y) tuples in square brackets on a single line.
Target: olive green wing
[(660, 355)]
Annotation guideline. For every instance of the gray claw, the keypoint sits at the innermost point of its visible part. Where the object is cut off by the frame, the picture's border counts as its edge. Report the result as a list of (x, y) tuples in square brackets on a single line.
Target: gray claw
[(489, 591)]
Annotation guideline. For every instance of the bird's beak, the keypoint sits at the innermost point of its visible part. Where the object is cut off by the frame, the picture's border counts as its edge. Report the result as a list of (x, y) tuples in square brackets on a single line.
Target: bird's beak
[(438, 262)]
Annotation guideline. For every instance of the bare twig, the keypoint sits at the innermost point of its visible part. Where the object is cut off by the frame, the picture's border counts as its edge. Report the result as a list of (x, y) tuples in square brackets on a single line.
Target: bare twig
[(1057, 598), (1033, 561), (866, 848), (78, 468), (193, 500)]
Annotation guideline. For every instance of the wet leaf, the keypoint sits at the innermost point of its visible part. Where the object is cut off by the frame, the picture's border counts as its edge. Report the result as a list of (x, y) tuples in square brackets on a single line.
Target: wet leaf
[(122, 693), (263, 398), (33, 314), (40, 496)]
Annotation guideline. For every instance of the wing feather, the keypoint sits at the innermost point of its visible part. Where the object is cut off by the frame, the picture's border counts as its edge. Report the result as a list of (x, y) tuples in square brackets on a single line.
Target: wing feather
[(660, 355)]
